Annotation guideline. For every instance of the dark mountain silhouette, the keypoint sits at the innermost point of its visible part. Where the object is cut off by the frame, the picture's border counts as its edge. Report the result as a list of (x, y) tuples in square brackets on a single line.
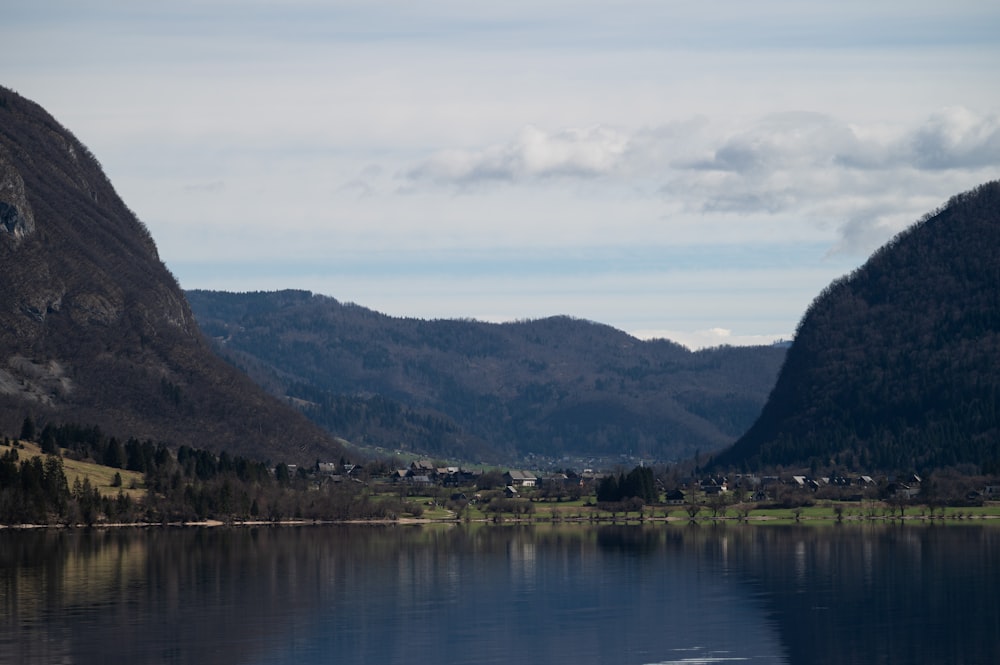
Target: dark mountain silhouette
[(93, 328), (481, 391), (897, 366)]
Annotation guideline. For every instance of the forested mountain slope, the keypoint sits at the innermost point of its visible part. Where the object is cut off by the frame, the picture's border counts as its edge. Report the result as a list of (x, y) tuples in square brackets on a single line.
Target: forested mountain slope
[(897, 366), (482, 391), (94, 329)]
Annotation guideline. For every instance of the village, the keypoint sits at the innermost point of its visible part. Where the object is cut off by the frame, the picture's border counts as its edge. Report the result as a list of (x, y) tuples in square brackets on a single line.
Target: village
[(424, 477)]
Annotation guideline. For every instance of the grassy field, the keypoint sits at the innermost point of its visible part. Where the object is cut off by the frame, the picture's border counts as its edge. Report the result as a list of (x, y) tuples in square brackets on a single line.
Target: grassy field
[(583, 510), (101, 477)]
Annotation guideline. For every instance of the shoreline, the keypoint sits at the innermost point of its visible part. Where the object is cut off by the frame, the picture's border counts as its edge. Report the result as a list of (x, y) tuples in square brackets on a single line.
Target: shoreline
[(512, 521)]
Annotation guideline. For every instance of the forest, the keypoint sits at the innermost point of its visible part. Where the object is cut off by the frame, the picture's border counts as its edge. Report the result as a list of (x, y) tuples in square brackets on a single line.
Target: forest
[(896, 367), (491, 392)]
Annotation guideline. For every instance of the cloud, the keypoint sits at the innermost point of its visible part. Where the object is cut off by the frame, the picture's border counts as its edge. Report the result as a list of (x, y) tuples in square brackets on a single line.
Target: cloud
[(533, 154), (956, 138), (709, 338), (362, 185), (780, 141), (799, 144), (864, 182), (862, 233), (783, 153), (855, 184)]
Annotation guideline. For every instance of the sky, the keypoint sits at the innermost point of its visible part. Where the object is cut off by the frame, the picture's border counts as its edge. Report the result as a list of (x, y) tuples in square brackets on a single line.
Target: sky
[(694, 171)]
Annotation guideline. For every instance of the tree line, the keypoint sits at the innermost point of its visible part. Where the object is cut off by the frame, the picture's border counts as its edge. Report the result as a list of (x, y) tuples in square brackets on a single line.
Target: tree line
[(35, 491), (628, 491), (188, 484)]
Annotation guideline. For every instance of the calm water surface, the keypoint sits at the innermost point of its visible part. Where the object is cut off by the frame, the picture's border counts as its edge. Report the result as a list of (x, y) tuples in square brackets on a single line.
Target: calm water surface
[(614, 594)]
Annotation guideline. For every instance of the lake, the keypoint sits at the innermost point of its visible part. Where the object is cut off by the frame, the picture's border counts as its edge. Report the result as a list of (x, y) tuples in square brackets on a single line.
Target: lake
[(500, 594)]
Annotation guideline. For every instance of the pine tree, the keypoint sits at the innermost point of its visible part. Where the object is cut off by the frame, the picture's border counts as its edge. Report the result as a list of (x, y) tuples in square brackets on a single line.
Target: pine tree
[(28, 429)]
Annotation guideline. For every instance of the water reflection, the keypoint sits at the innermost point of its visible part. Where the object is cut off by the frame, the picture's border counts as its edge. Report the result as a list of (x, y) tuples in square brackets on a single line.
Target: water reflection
[(621, 594), (888, 594)]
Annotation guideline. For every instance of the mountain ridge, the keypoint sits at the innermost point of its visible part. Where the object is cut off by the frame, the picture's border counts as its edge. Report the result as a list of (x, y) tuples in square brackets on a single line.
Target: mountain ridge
[(556, 386)]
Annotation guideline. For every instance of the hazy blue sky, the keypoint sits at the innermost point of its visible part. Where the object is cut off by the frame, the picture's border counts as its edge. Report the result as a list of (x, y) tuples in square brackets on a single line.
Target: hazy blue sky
[(698, 171)]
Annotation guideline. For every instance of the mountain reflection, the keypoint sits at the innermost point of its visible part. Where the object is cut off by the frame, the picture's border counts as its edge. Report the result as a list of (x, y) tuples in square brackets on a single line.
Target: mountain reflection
[(878, 594), (487, 594)]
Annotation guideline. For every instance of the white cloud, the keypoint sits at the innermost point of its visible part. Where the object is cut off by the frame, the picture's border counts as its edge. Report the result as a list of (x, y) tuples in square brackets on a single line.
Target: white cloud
[(710, 338), (861, 183), (780, 145), (534, 153)]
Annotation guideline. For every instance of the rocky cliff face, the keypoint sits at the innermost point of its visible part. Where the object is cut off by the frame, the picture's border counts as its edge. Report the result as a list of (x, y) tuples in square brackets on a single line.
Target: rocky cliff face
[(16, 218), (93, 327)]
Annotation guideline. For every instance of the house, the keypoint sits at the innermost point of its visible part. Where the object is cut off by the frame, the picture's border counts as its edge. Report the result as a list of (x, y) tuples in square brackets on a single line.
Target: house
[(713, 486), (510, 492), (453, 476), (516, 478), (805, 482), (560, 480), (423, 468), (467, 476), (674, 497), (902, 490)]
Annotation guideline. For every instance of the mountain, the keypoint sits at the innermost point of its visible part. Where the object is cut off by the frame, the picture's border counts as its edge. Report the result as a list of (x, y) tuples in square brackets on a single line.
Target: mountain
[(481, 391), (897, 366), (94, 329)]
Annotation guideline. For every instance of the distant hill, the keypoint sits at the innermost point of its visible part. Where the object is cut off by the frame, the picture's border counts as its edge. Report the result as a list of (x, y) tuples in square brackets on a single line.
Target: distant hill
[(897, 366), (481, 391), (94, 329)]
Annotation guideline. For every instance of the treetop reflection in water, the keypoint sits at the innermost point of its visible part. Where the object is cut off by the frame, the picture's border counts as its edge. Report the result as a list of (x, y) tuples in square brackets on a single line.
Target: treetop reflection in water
[(614, 594)]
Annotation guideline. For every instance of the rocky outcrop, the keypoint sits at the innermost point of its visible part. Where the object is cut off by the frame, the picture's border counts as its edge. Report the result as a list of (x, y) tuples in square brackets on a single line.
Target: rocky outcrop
[(16, 218)]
